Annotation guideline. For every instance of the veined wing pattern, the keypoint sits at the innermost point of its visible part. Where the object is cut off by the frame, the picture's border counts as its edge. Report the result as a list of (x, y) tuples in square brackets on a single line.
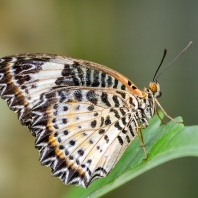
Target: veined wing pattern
[(83, 115)]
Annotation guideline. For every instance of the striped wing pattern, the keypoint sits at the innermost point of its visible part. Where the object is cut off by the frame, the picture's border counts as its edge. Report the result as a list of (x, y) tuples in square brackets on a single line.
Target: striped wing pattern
[(82, 114)]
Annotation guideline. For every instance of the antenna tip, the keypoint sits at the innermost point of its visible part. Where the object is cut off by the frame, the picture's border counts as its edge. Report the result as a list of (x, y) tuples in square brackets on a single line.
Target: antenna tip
[(190, 43)]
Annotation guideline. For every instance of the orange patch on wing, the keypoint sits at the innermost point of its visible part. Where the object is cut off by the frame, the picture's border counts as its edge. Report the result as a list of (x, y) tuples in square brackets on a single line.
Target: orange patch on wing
[(124, 81), (59, 153)]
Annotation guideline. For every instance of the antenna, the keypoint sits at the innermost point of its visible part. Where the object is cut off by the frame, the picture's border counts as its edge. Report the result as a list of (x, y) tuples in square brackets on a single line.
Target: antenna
[(155, 78), (165, 51)]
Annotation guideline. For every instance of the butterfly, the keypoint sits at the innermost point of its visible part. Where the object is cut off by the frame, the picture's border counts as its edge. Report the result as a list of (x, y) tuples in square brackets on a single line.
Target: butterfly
[(82, 114)]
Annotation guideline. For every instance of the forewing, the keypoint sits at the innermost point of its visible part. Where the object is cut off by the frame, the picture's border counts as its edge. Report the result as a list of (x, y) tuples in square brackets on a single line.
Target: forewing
[(25, 77)]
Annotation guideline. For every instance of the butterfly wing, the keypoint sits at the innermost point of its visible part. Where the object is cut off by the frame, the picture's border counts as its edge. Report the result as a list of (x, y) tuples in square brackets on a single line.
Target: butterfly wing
[(80, 112), (80, 133)]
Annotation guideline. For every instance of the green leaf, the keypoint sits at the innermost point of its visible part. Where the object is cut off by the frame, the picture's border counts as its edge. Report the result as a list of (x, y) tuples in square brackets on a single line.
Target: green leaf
[(163, 143)]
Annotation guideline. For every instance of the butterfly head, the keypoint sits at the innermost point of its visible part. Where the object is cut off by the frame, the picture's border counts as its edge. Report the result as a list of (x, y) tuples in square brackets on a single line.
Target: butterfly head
[(155, 88)]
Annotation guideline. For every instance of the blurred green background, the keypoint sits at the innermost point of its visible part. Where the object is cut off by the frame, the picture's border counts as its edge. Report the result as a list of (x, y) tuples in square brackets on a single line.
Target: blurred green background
[(128, 36)]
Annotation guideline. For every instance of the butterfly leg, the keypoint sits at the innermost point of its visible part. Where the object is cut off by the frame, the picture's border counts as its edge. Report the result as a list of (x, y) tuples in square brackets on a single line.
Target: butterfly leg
[(156, 110), (140, 137), (164, 113)]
